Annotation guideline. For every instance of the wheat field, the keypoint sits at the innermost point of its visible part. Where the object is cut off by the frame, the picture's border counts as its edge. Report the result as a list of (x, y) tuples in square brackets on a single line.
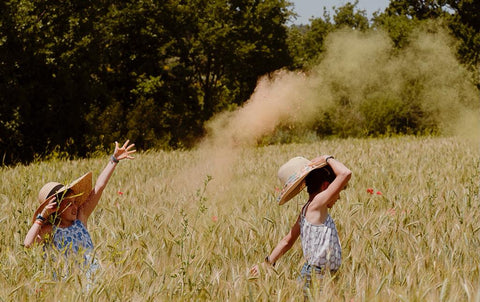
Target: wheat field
[(166, 231)]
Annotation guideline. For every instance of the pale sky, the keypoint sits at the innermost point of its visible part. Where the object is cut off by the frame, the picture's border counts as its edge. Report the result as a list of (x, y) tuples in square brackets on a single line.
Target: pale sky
[(308, 8)]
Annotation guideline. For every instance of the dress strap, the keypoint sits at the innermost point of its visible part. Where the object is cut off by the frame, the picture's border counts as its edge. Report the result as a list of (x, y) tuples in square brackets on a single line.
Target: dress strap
[(304, 209)]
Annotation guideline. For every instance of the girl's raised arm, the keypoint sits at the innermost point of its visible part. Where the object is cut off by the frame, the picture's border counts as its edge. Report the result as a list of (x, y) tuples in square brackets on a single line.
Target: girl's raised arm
[(330, 194), (119, 154)]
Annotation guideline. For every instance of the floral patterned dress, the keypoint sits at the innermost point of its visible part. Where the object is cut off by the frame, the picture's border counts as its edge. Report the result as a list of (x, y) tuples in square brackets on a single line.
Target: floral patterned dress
[(76, 239)]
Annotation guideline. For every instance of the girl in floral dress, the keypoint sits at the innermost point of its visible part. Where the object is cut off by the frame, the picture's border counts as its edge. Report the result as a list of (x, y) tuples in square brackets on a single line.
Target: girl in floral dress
[(60, 221)]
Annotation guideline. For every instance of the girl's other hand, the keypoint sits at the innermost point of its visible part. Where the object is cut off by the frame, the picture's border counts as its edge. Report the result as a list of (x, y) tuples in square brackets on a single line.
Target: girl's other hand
[(254, 271), (319, 159), (50, 208), (258, 268), (124, 151)]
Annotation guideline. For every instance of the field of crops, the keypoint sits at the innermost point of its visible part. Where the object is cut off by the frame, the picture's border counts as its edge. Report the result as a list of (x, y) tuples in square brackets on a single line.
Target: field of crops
[(188, 225)]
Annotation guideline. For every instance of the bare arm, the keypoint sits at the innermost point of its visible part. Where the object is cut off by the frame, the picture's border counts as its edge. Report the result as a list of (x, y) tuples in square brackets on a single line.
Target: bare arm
[(330, 194), (120, 153), (286, 243), (36, 234), (38, 230), (282, 247)]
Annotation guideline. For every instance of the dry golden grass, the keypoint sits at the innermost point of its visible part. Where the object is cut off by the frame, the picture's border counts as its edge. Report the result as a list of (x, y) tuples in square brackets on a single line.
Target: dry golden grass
[(166, 238)]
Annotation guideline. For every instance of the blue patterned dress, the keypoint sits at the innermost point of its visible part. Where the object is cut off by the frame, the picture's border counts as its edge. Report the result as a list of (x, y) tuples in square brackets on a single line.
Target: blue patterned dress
[(76, 239)]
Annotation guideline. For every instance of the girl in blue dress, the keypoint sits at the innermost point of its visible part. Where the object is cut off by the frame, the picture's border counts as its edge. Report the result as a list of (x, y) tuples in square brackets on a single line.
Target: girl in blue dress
[(60, 221)]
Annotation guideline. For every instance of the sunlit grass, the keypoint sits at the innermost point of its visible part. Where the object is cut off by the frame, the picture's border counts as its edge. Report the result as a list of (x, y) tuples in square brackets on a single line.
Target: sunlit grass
[(161, 239)]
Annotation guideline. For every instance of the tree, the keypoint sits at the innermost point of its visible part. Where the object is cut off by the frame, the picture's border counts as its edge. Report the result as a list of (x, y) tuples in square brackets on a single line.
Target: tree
[(418, 9), (46, 62), (461, 16), (346, 16), (187, 60), (306, 42), (398, 27), (465, 25), (80, 74)]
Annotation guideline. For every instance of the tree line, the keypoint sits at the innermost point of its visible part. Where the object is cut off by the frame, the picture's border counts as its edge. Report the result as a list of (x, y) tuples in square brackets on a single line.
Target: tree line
[(76, 75)]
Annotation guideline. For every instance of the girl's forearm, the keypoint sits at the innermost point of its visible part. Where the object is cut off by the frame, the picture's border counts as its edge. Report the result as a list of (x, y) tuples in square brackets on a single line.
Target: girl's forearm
[(281, 248), (286, 243), (123, 152), (339, 168), (32, 235), (104, 177)]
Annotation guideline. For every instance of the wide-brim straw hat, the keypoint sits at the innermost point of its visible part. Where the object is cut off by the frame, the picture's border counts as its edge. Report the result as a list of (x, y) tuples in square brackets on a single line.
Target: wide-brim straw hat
[(292, 174), (80, 187)]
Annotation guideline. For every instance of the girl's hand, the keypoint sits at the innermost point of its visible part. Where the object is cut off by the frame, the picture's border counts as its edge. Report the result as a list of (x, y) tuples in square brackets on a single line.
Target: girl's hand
[(124, 151), (319, 159), (254, 271), (51, 207)]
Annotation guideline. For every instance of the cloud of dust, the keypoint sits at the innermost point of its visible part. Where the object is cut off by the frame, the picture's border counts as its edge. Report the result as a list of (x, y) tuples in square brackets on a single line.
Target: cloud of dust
[(356, 67), (283, 97)]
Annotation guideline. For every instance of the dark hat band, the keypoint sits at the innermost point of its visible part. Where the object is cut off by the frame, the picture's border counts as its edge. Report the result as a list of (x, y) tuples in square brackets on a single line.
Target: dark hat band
[(54, 190)]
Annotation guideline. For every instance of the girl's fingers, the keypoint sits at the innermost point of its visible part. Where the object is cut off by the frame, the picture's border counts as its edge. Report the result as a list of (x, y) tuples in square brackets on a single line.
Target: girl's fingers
[(126, 144), (53, 203), (124, 150)]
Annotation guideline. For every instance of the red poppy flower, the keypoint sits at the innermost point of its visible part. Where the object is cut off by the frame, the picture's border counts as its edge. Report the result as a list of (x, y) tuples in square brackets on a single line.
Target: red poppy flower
[(370, 191), (379, 193), (120, 193)]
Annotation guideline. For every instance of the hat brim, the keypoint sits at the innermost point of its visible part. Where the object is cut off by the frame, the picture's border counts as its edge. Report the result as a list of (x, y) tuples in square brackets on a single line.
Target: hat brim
[(80, 187), (296, 182)]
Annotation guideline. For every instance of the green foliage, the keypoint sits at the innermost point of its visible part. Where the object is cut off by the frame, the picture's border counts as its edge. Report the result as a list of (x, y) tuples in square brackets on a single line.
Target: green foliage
[(289, 135), (399, 27), (382, 116), (382, 112), (44, 65), (75, 76), (366, 85), (307, 42), (428, 9), (93, 71), (346, 16), (461, 16), (402, 90), (465, 25)]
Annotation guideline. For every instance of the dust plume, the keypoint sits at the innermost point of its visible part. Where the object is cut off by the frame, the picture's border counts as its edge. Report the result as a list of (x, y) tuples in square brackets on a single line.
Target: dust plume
[(360, 76), (276, 99)]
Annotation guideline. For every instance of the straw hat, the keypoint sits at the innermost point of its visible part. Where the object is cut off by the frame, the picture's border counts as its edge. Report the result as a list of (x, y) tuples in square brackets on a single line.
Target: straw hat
[(292, 174), (81, 187)]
